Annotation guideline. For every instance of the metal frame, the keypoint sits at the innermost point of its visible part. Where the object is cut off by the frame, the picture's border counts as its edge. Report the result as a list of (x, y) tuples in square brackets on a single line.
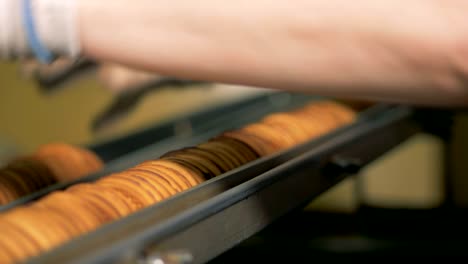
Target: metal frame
[(152, 142), (218, 214)]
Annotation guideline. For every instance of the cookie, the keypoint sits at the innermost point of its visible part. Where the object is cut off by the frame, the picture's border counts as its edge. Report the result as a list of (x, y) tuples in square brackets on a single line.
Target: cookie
[(202, 161), (230, 159), (176, 181), (159, 182)]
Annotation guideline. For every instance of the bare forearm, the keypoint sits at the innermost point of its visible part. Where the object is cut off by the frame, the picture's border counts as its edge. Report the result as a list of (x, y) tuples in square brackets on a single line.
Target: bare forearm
[(398, 50)]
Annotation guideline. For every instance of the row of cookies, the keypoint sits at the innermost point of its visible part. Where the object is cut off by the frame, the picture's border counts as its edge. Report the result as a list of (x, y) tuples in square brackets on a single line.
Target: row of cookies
[(49, 164), (62, 215), (280, 131)]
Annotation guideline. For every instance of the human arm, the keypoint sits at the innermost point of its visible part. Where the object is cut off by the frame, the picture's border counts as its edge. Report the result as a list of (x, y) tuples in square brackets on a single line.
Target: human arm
[(411, 51)]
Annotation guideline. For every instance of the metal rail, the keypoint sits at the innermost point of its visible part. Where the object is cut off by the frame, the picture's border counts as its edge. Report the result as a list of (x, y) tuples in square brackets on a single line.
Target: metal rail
[(218, 214), (124, 152)]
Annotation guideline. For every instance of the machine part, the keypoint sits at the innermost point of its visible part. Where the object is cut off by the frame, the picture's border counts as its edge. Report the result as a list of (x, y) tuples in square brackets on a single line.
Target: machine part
[(171, 257), (125, 102), (124, 152), (213, 217)]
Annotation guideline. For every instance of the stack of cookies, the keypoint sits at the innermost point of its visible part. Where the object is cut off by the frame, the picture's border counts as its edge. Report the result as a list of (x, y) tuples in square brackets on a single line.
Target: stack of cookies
[(281, 131), (51, 163), (63, 215)]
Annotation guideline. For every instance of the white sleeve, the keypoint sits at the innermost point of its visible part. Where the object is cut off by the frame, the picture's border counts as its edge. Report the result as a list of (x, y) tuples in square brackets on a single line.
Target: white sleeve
[(57, 25), (54, 24)]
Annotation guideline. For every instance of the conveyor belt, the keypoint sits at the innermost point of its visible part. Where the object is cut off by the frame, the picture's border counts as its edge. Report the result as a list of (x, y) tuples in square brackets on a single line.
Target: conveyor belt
[(126, 151), (218, 214)]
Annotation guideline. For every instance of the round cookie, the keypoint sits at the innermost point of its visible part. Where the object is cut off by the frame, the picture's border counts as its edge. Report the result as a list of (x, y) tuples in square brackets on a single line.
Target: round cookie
[(29, 175), (282, 140), (198, 175), (290, 126), (176, 181), (213, 156), (63, 221), (33, 222), (160, 191), (318, 111), (127, 190), (239, 147), (200, 160), (66, 161), (22, 186), (310, 128), (93, 161), (8, 190), (159, 181), (193, 177), (97, 209), (223, 143), (261, 145), (196, 165), (341, 112), (72, 205), (231, 159), (11, 247), (145, 186)]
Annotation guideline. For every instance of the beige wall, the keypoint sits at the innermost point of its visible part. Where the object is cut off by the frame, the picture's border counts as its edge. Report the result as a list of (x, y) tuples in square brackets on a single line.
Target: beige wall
[(29, 118)]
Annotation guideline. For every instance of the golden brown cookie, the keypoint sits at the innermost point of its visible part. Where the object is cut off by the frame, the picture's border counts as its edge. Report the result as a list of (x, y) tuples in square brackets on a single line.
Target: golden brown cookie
[(73, 206), (22, 186), (304, 128), (282, 140), (8, 192), (26, 246), (194, 177), (12, 250), (159, 182), (214, 156), (129, 191), (290, 127), (341, 112), (238, 147), (238, 158), (201, 161), (144, 185), (174, 180), (33, 223), (261, 145), (217, 148), (62, 220), (29, 174), (67, 162), (192, 164), (93, 161), (149, 178), (100, 199)]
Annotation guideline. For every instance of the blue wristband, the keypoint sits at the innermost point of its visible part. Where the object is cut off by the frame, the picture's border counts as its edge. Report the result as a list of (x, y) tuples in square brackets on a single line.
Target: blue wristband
[(40, 51)]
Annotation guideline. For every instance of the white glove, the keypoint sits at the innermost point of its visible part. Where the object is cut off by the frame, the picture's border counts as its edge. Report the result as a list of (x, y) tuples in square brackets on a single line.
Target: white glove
[(52, 28)]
